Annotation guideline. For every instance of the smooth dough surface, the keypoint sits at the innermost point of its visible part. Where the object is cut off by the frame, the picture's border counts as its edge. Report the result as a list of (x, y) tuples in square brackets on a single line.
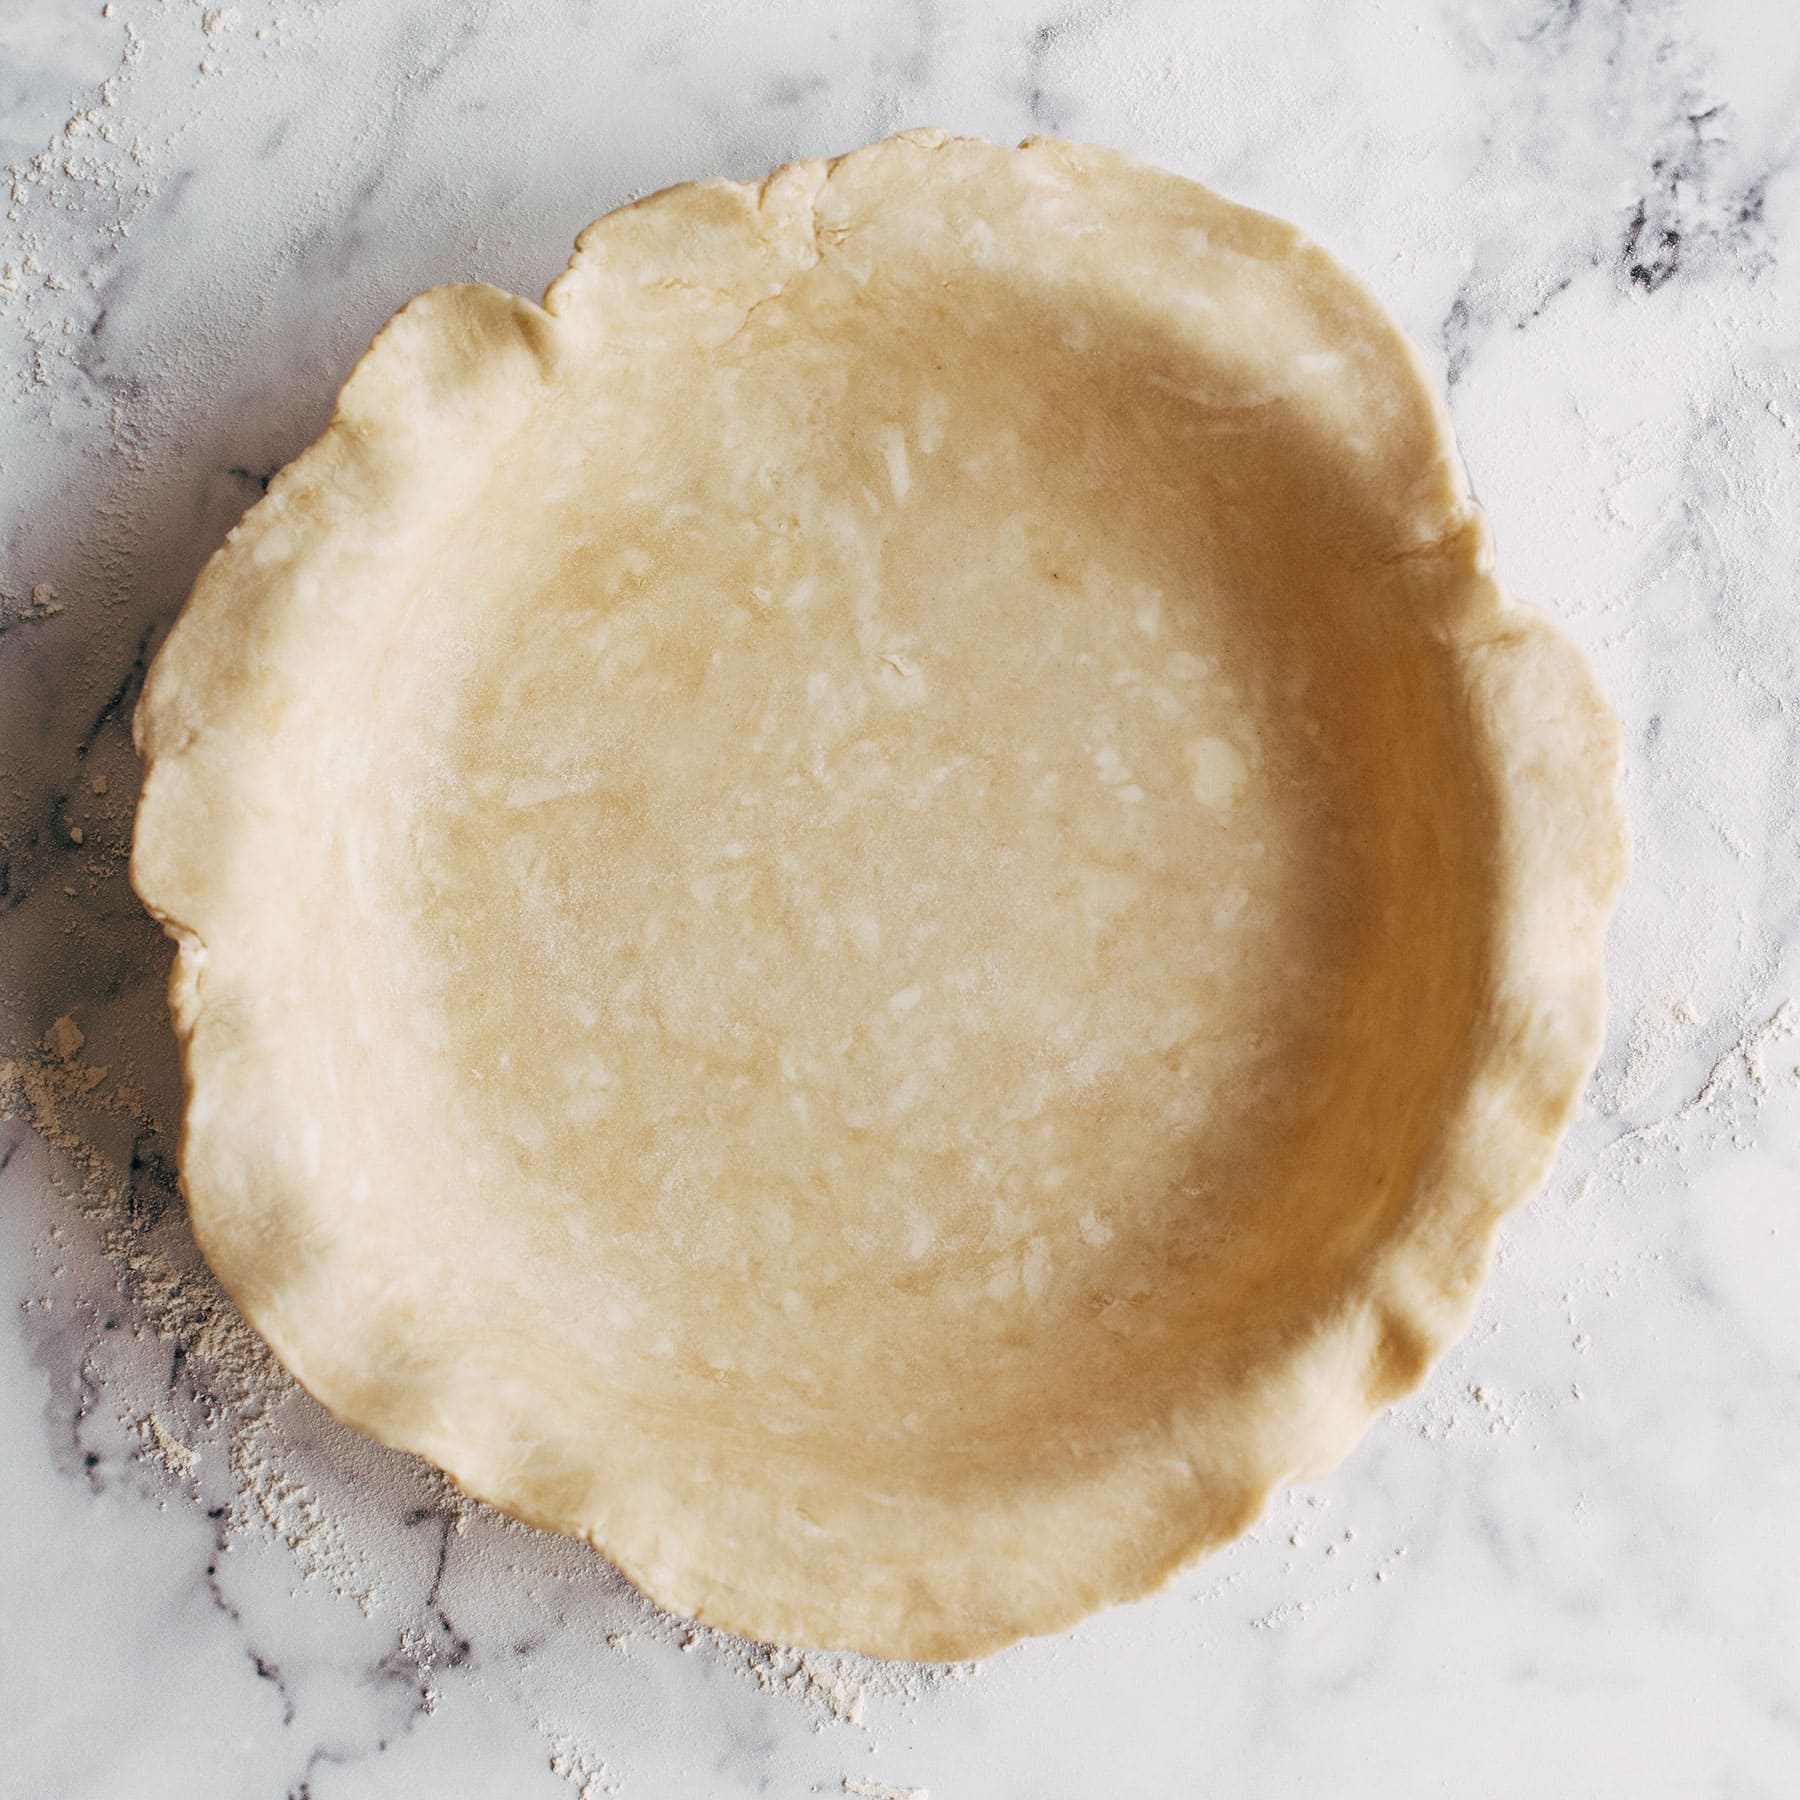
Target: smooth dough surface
[(878, 910)]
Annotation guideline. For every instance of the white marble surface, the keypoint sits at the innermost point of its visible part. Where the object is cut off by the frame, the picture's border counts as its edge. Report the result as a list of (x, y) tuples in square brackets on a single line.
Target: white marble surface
[(1571, 1565)]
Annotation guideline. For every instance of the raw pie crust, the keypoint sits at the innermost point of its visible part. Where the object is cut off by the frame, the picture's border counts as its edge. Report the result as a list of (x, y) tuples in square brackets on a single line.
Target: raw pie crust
[(878, 910)]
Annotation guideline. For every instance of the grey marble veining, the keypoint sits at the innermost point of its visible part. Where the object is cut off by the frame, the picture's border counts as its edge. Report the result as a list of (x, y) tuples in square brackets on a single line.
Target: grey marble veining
[(1569, 1565)]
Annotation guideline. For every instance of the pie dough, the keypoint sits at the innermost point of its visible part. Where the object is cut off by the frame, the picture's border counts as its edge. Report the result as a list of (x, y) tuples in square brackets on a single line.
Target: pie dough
[(878, 910)]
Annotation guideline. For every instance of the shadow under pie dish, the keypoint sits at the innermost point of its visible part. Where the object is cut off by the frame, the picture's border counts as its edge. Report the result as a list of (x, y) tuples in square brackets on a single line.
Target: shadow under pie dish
[(877, 910)]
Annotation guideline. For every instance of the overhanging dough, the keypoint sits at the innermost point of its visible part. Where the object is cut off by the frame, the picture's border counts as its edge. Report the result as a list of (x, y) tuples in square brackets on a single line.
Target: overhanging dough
[(878, 910)]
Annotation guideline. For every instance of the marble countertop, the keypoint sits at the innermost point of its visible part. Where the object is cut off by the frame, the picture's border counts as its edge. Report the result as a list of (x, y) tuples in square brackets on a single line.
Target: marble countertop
[(1570, 1564)]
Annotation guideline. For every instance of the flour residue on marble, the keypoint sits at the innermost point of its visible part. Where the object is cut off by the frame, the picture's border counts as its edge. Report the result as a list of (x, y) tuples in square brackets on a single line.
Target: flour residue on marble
[(221, 1410)]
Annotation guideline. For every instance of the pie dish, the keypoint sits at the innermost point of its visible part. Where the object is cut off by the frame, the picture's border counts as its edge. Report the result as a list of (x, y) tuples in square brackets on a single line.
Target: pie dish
[(877, 910)]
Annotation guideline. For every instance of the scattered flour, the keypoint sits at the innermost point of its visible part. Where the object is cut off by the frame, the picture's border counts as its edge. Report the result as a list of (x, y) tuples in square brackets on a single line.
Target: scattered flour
[(236, 1382), (162, 1447), (835, 1686), (1740, 1075), (586, 1774)]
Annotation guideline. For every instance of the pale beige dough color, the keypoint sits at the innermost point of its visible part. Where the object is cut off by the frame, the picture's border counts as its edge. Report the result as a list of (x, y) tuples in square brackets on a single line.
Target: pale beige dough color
[(878, 910)]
